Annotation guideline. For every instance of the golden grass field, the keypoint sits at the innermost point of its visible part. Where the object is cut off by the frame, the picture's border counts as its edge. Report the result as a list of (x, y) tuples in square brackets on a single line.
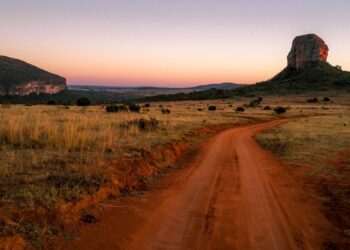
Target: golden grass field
[(55, 154)]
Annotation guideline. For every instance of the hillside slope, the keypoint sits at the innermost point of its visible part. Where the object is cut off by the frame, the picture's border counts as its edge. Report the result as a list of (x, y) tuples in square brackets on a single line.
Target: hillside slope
[(20, 78)]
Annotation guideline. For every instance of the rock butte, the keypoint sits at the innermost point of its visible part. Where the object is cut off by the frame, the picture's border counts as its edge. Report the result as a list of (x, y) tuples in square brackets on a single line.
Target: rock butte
[(306, 50)]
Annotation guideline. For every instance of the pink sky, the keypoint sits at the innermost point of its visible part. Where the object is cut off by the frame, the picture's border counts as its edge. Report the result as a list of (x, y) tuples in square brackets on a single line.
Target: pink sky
[(168, 43)]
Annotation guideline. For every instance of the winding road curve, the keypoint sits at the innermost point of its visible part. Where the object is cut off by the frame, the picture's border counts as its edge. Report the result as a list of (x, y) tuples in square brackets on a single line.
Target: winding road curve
[(233, 195)]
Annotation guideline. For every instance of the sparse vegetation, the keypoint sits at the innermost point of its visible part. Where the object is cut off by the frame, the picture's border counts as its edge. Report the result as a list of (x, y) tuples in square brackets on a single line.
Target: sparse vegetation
[(326, 99), (267, 108)]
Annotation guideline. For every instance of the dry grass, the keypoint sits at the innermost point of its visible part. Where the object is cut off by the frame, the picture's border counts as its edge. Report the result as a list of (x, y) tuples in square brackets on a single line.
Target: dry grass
[(309, 141), (52, 153)]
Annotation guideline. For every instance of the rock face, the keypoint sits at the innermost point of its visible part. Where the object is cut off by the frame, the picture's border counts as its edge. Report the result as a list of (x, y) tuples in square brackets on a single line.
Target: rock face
[(306, 50), (20, 78)]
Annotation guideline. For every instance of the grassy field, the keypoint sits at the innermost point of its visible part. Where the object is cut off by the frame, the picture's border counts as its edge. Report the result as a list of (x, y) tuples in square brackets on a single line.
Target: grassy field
[(309, 141), (56, 154), (320, 147)]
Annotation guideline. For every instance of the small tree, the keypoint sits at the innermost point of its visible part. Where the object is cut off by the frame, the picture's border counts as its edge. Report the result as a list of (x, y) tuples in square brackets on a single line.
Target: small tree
[(83, 101)]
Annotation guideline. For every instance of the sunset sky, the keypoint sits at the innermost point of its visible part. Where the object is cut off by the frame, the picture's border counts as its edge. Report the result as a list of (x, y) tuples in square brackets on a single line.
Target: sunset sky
[(167, 42)]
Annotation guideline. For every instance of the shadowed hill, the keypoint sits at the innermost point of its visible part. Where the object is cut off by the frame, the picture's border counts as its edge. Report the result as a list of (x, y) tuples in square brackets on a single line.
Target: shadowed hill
[(20, 78)]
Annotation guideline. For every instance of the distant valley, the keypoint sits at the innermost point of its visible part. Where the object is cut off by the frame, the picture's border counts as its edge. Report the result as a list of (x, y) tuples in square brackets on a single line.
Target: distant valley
[(151, 91)]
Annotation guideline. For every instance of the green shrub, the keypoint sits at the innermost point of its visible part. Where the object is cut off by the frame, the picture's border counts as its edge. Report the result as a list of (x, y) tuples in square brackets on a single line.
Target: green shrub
[(116, 109), (147, 105), (134, 108), (240, 109), (312, 100), (267, 108), (212, 108), (255, 103), (142, 124), (51, 102), (166, 111), (83, 101), (326, 99)]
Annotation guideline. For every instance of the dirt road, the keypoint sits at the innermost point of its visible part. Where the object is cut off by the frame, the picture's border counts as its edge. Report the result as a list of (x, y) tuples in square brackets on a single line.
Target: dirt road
[(232, 195)]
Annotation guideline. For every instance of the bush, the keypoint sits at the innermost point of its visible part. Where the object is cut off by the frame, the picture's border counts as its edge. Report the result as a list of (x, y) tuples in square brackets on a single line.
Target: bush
[(142, 124), (147, 105), (166, 111), (212, 108), (134, 108), (240, 109), (51, 102), (255, 103), (312, 100), (267, 108), (83, 101), (326, 99), (116, 109), (200, 109), (280, 110)]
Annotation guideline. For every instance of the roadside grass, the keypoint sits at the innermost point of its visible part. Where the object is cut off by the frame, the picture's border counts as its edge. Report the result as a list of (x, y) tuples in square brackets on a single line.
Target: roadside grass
[(320, 146), (310, 141)]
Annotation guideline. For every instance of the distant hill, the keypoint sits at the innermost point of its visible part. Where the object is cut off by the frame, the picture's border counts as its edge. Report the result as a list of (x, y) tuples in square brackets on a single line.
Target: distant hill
[(319, 76), (307, 71), (222, 86), (226, 85), (20, 78)]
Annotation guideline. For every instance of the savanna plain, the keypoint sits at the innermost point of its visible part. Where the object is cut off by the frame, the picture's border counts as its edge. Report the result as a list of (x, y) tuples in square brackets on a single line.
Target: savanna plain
[(56, 162)]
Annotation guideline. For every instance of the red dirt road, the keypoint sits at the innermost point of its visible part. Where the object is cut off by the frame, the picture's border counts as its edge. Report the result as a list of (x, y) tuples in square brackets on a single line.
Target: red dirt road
[(231, 195)]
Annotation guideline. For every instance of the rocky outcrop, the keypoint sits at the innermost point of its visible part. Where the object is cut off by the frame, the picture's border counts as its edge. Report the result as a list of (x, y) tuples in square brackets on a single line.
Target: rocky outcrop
[(20, 78), (306, 50)]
